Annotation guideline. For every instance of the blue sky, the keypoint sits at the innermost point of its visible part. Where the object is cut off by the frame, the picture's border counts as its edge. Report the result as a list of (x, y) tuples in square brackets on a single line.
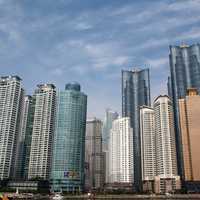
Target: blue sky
[(90, 41)]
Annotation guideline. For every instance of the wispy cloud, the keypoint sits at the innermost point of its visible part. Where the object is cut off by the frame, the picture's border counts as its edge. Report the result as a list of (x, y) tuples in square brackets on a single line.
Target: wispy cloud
[(82, 26), (91, 41), (189, 5), (193, 33), (158, 63)]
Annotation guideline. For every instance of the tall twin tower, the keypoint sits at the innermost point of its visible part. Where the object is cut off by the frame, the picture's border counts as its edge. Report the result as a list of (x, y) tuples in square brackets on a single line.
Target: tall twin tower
[(135, 93)]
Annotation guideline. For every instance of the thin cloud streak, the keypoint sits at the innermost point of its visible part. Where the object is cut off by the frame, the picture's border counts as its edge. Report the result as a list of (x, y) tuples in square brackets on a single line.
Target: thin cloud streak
[(91, 42)]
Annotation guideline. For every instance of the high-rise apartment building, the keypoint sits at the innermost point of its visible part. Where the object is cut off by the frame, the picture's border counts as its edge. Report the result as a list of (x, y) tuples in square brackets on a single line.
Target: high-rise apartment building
[(135, 93), (165, 136), (121, 152), (107, 126), (148, 145), (166, 162), (94, 176), (189, 111), (69, 141), (158, 151), (11, 97), (43, 132), (185, 73)]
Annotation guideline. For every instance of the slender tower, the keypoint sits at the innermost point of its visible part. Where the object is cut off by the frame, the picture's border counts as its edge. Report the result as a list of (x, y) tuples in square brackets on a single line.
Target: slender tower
[(11, 97), (148, 153), (24, 141), (94, 178), (107, 126), (135, 93), (166, 162), (121, 152), (43, 132)]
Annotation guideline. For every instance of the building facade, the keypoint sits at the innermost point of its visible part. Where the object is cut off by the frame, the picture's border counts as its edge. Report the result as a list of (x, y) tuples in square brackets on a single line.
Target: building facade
[(26, 132), (94, 176), (135, 93), (166, 161), (121, 152), (189, 110), (107, 126), (43, 132), (148, 145), (11, 97), (23, 150), (169, 86), (185, 73), (69, 142)]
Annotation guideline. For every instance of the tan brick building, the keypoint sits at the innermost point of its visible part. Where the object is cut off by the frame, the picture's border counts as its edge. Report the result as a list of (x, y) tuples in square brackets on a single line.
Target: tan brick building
[(190, 131)]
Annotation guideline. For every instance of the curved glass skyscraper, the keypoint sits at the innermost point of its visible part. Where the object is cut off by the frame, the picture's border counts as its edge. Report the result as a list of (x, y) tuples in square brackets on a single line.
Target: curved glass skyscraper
[(135, 93), (69, 142), (185, 74)]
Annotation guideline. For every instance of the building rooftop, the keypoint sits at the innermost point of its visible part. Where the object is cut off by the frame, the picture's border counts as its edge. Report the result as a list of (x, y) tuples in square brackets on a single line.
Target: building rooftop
[(73, 86), (5, 78)]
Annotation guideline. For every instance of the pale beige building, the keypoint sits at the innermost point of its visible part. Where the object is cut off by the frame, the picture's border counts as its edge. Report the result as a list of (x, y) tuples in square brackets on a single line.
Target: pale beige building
[(190, 131)]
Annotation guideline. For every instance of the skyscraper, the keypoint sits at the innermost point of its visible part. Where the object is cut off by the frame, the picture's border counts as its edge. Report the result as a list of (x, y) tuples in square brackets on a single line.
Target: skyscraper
[(69, 142), (148, 153), (43, 132), (121, 152), (185, 73), (169, 86), (107, 126), (94, 176), (11, 97), (165, 136), (189, 110), (24, 141), (27, 129), (135, 93), (165, 146), (158, 150)]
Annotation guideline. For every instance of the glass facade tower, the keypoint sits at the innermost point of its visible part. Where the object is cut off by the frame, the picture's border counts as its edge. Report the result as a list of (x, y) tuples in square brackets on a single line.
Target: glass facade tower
[(69, 142), (135, 93), (107, 126), (25, 136), (27, 129), (185, 73)]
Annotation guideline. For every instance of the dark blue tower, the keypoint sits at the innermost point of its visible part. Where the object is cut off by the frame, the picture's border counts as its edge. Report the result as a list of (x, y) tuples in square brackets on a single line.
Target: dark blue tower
[(135, 93), (185, 73)]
